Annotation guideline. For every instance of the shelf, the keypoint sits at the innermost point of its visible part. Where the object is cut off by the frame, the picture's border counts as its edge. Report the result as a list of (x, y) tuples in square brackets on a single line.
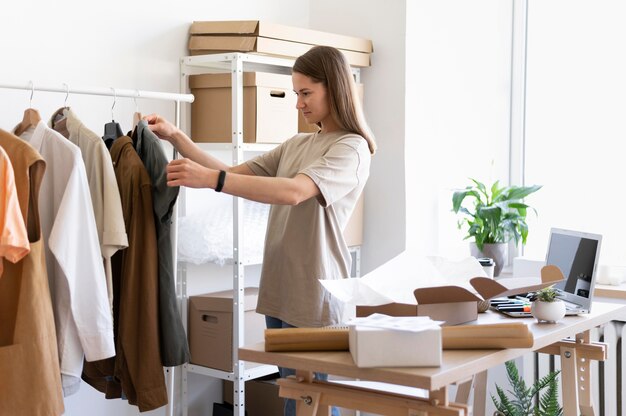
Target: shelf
[(251, 63), (229, 147), (251, 372)]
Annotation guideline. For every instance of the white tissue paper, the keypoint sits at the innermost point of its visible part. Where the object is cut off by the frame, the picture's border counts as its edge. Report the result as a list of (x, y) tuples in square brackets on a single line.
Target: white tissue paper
[(396, 280), (208, 236)]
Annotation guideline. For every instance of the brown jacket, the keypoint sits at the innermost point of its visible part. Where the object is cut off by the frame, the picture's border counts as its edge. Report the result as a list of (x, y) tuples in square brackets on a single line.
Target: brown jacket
[(137, 365), (29, 362)]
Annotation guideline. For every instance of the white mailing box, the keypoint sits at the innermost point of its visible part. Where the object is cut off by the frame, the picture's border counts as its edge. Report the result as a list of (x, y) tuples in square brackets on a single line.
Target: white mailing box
[(378, 347)]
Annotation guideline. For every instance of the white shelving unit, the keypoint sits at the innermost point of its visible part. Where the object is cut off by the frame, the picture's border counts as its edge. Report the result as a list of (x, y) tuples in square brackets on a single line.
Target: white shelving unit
[(236, 64)]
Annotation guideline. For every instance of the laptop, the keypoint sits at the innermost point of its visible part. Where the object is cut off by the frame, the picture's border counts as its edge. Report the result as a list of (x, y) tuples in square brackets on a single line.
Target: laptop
[(576, 254)]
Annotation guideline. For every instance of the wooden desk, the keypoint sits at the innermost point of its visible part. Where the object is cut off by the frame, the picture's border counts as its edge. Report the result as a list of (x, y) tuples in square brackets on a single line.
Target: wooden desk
[(458, 366)]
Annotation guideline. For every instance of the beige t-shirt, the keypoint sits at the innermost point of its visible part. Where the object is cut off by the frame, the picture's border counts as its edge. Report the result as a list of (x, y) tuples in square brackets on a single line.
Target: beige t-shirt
[(305, 242)]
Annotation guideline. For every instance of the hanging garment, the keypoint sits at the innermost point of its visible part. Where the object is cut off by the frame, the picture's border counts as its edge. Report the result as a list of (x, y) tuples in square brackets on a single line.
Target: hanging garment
[(13, 238), (105, 195), (29, 361), (82, 315), (136, 370), (174, 348)]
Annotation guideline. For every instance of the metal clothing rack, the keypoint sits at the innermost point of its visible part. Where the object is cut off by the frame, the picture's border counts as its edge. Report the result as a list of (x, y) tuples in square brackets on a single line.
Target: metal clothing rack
[(129, 93)]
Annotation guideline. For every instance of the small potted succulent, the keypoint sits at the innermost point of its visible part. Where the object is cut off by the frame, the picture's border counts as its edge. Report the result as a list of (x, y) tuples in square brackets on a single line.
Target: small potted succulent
[(546, 306)]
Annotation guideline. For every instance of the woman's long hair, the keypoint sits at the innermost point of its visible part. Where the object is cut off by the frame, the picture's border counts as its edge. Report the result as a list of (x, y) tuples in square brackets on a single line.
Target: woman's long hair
[(329, 66)]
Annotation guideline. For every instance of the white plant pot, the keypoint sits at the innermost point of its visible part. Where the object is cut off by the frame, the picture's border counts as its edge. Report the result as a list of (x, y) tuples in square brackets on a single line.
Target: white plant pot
[(548, 311)]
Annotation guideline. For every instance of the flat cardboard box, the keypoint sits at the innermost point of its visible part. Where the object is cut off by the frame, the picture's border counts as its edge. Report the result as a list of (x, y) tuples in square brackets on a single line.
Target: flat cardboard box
[(455, 305), (211, 327), (269, 108), (277, 31), (262, 397), (378, 347), (206, 45)]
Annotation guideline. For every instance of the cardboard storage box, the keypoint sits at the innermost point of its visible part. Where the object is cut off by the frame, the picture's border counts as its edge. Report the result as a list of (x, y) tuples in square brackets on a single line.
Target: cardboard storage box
[(378, 347), (272, 39), (269, 108), (455, 305), (211, 327), (261, 397)]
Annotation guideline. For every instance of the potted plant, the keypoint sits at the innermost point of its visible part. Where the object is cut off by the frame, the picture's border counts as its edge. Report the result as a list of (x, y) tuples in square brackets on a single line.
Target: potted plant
[(546, 306), (521, 404), (495, 216)]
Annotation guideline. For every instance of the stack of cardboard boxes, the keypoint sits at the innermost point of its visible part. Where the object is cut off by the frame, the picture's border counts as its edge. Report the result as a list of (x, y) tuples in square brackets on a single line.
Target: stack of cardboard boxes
[(272, 39)]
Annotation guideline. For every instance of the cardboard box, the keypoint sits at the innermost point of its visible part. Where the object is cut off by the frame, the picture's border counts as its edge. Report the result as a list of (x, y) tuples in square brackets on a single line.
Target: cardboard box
[(276, 31), (261, 396), (269, 108), (211, 327), (455, 305), (272, 39), (205, 45), (377, 347)]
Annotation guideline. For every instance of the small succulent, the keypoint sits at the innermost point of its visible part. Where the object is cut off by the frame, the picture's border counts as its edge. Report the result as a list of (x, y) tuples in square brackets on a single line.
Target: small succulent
[(547, 294)]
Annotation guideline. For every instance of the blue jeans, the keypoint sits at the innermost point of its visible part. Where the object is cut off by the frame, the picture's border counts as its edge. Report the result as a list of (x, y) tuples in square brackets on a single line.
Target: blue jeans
[(290, 404)]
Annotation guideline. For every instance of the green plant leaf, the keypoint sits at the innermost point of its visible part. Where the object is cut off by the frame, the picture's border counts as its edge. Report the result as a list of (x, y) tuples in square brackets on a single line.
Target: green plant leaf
[(493, 215)]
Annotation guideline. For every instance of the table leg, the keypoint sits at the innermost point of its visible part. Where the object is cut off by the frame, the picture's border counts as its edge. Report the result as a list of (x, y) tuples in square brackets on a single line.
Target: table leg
[(568, 378), (480, 393), (583, 368)]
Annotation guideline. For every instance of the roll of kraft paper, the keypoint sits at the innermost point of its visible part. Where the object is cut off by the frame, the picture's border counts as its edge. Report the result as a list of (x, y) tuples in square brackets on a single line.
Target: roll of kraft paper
[(490, 336), (464, 337), (306, 339)]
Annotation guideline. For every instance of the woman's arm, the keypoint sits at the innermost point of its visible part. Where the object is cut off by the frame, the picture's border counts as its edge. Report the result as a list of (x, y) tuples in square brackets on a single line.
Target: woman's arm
[(187, 148), (269, 190)]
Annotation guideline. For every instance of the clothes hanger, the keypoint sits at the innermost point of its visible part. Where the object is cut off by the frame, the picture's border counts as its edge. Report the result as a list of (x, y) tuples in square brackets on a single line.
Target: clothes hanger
[(112, 130), (59, 118), (31, 116), (137, 116)]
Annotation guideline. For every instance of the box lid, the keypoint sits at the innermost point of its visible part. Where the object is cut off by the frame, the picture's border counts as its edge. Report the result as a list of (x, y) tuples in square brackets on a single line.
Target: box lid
[(250, 79), (223, 301), (489, 288), (277, 31)]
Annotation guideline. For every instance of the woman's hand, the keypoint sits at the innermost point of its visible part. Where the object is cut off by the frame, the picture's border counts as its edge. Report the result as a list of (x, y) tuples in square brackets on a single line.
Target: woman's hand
[(185, 172), (161, 127)]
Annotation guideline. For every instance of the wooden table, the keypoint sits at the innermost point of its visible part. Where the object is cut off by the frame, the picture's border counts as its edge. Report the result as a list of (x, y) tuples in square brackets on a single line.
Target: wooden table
[(459, 366)]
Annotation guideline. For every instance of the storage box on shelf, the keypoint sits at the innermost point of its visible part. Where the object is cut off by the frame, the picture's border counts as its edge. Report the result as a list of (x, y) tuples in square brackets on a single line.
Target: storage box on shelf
[(210, 327), (269, 108), (262, 397), (272, 39)]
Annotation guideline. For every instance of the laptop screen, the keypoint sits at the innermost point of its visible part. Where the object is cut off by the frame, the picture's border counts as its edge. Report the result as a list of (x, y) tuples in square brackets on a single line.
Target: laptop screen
[(576, 255)]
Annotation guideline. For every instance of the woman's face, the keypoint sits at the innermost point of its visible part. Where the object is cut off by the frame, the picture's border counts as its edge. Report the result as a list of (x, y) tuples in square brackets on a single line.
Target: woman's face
[(312, 101)]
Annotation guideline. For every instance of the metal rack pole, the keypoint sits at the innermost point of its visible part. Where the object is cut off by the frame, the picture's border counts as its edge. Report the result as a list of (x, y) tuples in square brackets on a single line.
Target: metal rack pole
[(107, 92)]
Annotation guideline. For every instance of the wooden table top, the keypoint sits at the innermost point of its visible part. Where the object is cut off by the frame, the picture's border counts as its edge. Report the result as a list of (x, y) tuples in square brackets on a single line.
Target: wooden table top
[(457, 365)]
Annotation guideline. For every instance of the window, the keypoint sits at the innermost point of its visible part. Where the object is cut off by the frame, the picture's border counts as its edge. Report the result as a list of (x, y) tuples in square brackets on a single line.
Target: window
[(575, 122)]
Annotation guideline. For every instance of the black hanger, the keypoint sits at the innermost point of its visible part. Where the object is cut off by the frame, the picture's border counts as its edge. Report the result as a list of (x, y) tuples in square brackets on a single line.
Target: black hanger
[(112, 130)]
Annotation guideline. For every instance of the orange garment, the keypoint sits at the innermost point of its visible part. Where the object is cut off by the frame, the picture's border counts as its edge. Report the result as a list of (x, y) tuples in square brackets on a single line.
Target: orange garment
[(29, 363), (13, 239)]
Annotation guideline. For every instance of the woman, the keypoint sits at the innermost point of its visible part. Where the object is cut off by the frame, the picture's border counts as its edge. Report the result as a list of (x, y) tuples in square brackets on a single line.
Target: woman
[(312, 180)]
